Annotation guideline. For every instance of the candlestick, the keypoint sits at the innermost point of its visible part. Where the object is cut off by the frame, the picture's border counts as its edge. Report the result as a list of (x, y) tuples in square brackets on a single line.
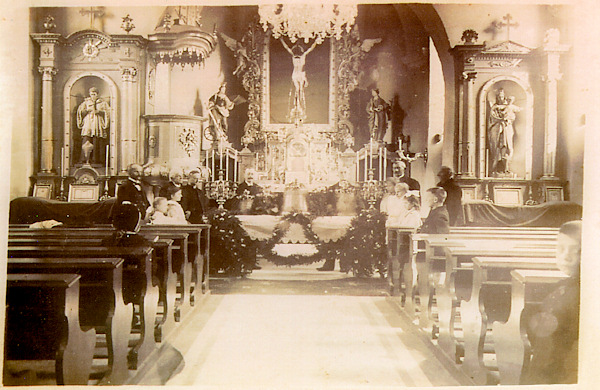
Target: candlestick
[(107, 154), (62, 161), (384, 164), (227, 165), (235, 167), (212, 160)]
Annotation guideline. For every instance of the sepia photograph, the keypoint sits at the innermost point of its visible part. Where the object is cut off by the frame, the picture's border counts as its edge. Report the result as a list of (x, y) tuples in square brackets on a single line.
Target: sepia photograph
[(300, 195)]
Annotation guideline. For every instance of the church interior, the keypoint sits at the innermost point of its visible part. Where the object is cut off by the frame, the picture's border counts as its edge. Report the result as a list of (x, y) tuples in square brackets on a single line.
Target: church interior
[(428, 157)]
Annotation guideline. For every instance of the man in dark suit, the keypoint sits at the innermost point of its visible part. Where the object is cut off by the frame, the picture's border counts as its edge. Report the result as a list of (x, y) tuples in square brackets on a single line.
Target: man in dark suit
[(453, 196), (399, 171), (194, 200), (437, 222), (248, 184), (131, 190), (175, 179)]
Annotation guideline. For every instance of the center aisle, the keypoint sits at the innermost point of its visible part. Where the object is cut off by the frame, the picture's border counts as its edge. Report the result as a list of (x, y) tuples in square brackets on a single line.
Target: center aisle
[(306, 341)]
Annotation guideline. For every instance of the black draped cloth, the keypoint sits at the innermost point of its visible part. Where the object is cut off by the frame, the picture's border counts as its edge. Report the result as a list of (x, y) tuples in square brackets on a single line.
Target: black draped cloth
[(550, 214), (28, 210)]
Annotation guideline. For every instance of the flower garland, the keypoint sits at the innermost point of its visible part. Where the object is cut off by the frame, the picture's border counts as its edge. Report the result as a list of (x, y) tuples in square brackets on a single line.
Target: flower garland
[(266, 248)]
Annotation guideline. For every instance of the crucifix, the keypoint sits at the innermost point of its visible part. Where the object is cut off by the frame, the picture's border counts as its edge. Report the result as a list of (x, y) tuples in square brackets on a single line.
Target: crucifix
[(507, 23), (93, 12)]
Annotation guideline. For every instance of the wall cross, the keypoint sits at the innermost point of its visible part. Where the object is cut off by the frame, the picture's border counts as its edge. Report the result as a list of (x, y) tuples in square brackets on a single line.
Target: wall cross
[(93, 12), (506, 22)]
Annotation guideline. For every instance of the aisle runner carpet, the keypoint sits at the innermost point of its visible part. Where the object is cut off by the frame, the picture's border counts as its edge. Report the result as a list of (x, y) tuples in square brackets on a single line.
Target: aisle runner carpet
[(305, 341)]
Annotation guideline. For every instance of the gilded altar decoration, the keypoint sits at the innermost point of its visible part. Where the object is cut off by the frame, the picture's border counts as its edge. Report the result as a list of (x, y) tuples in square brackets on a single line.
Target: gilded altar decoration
[(127, 24), (248, 55), (49, 24), (350, 52), (188, 140), (307, 21)]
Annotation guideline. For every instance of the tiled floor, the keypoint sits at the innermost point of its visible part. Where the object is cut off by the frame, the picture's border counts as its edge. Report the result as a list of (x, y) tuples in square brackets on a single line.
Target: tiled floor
[(279, 341)]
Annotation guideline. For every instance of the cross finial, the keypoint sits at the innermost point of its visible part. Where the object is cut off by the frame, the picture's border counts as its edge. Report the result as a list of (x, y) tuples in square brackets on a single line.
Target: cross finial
[(93, 12), (506, 22)]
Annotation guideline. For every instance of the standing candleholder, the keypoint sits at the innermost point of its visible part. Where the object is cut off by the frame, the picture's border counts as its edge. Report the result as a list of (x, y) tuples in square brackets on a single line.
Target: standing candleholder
[(371, 189), (221, 190), (61, 196), (105, 195)]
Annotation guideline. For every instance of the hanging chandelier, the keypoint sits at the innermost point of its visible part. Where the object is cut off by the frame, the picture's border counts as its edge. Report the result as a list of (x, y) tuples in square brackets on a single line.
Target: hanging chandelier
[(307, 21)]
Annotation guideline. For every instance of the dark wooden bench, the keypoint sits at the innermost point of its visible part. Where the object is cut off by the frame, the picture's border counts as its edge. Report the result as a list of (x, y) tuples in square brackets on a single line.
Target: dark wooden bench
[(164, 270), (42, 323), (138, 287), (101, 302)]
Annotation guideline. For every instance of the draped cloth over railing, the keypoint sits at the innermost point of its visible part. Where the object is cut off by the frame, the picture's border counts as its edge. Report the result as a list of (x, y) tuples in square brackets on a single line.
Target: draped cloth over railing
[(550, 214), (29, 210)]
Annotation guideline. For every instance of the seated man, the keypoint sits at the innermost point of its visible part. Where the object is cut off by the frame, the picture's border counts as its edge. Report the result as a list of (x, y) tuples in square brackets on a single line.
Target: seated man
[(127, 221), (438, 221), (399, 171), (175, 180), (246, 192), (554, 331)]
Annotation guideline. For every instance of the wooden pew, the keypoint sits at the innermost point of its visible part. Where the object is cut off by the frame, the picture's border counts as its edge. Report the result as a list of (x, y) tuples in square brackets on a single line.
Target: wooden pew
[(399, 248), (177, 269), (429, 259), (489, 302), (163, 270), (458, 280), (138, 287), (42, 323), (529, 288), (101, 303)]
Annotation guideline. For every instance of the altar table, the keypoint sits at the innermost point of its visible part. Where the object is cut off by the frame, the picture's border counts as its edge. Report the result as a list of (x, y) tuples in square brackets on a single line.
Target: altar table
[(549, 214)]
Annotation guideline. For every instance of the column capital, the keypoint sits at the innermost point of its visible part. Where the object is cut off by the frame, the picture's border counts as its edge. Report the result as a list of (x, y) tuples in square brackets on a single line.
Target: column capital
[(129, 73), (47, 72)]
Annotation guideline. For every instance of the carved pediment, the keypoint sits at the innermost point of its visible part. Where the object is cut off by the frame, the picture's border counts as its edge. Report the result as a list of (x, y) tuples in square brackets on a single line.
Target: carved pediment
[(507, 47), (89, 35)]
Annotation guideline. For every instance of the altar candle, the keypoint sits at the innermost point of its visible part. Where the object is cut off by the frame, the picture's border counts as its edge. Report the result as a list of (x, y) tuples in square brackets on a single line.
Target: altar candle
[(62, 161), (227, 165), (235, 167), (107, 154), (384, 164), (256, 162), (357, 168), (366, 163), (487, 158), (212, 161), (380, 158)]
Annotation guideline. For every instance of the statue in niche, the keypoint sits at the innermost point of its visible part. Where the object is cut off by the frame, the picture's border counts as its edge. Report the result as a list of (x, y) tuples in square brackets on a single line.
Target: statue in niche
[(299, 80), (501, 132), (379, 113), (93, 119), (219, 106)]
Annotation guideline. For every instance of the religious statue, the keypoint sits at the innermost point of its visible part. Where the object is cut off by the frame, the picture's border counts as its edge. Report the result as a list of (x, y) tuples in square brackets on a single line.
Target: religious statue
[(379, 113), (240, 53), (219, 106), (501, 132), (299, 77), (93, 119)]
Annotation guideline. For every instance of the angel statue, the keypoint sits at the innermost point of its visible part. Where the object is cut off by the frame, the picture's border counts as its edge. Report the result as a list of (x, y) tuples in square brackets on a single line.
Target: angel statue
[(501, 132), (299, 80), (240, 53)]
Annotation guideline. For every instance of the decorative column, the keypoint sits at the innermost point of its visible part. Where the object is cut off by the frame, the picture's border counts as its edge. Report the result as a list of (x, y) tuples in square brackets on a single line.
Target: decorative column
[(48, 43), (469, 127), (552, 51), (464, 60), (47, 134), (129, 125)]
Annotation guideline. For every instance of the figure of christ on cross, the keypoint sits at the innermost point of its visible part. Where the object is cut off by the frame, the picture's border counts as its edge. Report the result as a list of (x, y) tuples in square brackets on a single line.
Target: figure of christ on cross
[(298, 77)]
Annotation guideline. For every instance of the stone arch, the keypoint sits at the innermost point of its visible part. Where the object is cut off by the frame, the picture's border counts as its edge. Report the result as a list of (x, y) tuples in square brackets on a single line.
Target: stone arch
[(482, 122), (68, 126)]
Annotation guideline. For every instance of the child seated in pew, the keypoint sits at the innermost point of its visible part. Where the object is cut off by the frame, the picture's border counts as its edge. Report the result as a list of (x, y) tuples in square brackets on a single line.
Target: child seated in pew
[(157, 213), (127, 221), (438, 220), (554, 330)]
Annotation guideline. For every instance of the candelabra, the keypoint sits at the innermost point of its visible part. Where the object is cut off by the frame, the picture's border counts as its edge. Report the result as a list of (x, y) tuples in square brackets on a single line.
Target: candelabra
[(61, 196), (105, 195), (221, 190), (372, 189)]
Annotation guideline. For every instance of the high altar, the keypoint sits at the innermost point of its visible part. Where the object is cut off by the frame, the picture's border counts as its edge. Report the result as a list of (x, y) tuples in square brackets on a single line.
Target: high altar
[(290, 107)]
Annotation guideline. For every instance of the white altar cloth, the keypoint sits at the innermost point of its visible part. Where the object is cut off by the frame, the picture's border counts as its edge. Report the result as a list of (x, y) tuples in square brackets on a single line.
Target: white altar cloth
[(260, 227)]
